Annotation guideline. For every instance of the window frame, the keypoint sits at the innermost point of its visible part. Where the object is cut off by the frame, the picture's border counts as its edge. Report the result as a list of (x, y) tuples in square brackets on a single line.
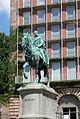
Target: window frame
[(38, 16), (58, 1), (56, 74), (55, 32), (42, 35), (40, 3), (29, 18), (70, 15), (69, 0), (26, 2), (57, 16), (28, 30), (56, 51), (69, 112), (71, 74), (70, 49), (67, 31)]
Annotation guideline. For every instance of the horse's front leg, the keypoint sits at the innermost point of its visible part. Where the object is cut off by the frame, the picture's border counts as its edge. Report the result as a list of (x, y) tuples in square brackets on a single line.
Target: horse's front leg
[(36, 72), (37, 69), (48, 81)]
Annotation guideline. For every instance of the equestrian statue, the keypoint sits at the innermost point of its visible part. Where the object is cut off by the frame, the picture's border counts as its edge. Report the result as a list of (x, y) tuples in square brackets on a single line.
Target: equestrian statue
[(34, 55)]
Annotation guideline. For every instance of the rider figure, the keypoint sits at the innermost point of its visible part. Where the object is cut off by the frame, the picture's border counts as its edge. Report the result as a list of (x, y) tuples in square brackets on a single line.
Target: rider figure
[(40, 43)]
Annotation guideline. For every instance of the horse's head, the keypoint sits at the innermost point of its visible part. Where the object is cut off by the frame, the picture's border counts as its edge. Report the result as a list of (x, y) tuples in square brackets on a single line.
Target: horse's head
[(27, 40)]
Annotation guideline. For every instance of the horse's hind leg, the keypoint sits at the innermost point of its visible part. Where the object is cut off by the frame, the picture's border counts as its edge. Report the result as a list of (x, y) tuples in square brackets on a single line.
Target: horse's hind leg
[(48, 81), (36, 68), (39, 75)]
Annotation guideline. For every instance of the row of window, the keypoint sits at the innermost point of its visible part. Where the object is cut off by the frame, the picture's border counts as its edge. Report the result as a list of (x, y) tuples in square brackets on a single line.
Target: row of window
[(27, 3), (70, 31), (71, 71), (55, 15), (70, 50), (55, 31), (56, 46)]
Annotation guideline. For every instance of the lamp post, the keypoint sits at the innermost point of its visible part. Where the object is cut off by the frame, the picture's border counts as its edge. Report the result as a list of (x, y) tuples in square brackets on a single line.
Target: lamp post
[(17, 12)]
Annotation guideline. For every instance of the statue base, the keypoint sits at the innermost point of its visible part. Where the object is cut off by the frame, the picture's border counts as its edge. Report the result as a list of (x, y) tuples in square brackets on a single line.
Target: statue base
[(37, 101)]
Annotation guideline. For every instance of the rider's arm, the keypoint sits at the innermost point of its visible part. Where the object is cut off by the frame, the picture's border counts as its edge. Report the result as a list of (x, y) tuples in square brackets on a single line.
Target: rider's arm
[(41, 42)]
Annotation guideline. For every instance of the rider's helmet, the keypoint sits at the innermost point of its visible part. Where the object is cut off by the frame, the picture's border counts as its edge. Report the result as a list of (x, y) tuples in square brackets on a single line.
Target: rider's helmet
[(35, 33)]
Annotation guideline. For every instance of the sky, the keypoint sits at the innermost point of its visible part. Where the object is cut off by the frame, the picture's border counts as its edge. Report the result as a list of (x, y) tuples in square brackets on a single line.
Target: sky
[(5, 16)]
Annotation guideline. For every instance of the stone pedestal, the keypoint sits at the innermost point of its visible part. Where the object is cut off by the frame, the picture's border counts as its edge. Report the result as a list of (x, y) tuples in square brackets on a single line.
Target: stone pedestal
[(37, 101)]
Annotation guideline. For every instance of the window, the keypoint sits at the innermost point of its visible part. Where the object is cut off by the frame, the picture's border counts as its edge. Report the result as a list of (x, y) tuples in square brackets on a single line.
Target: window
[(71, 70), (69, 113), (70, 33), (55, 1), (26, 31), (26, 18), (55, 32), (71, 49), (40, 2), (26, 3), (70, 13), (40, 16), (56, 71), (55, 14), (41, 32), (56, 50)]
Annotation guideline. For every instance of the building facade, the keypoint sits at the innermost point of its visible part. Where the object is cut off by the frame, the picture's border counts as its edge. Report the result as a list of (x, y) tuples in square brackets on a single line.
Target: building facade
[(58, 22)]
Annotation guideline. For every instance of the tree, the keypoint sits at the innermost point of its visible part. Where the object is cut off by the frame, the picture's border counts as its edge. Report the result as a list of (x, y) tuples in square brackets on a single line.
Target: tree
[(4, 61), (7, 64)]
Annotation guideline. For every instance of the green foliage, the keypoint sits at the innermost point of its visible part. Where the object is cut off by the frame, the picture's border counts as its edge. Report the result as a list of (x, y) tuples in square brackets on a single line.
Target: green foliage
[(4, 98), (4, 61), (8, 46)]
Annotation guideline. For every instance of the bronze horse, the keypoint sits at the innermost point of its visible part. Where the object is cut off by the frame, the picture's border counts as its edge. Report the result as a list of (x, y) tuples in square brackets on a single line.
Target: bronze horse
[(32, 56)]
